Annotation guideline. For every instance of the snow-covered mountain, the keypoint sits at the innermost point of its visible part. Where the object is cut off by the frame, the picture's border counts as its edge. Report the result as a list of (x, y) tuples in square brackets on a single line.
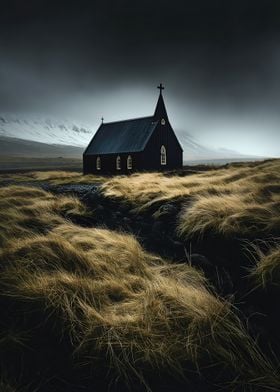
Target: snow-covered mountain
[(13, 147), (194, 151), (49, 131)]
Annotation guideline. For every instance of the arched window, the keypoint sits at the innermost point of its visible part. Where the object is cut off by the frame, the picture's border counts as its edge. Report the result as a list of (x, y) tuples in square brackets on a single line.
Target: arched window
[(163, 155), (118, 163), (98, 163), (129, 162)]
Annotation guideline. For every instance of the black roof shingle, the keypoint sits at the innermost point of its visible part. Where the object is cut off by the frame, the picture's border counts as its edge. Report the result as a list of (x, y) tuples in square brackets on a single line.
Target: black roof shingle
[(122, 136)]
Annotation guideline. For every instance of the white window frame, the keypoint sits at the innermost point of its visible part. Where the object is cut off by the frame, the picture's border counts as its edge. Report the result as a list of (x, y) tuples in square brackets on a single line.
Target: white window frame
[(118, 163), (129, 162), (98, 163), (163, 157)]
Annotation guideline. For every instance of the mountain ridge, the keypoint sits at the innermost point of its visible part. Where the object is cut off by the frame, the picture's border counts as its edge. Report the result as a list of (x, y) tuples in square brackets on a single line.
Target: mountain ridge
[(51, 137)]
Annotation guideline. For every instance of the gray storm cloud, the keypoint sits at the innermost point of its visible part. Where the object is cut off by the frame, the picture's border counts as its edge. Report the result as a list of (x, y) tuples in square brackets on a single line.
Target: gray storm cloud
[(219, 61)]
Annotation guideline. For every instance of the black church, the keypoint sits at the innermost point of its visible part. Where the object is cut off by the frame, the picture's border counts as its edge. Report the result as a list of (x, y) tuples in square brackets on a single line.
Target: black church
[(140, 144)]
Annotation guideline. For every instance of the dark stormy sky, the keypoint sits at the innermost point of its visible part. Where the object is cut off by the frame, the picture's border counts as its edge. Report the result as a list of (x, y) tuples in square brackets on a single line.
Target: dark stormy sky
[(219, 60)]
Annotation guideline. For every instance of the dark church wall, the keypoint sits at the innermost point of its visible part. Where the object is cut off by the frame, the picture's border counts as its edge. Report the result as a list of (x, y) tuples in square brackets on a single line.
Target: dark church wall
[(147, 160), (108, 163), (163, 135)]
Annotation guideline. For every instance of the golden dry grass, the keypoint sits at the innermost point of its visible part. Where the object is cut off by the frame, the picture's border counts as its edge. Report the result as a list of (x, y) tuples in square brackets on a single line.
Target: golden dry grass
[(266, 272), (54, 177), (230, 215), (129, 309), (25, 211), (120, 307), (241, 200)]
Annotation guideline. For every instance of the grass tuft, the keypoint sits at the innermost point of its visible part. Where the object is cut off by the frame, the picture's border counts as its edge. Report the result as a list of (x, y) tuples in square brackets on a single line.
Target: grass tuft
[(89, 301), (266, 272), (122, 309), (25, 211), (53, 177), (241, 200)]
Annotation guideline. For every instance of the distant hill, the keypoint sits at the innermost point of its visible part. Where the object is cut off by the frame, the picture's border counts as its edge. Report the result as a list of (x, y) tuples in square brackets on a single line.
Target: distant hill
[(40, 137), (197, 153), (27, 148)]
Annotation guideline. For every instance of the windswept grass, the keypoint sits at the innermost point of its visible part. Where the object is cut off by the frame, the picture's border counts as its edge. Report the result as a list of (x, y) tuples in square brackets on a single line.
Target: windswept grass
[(25, 211), (242, 200), (230, 215), (62, 177), (126, 309), (94, 301), (53, 177), (266, 272)]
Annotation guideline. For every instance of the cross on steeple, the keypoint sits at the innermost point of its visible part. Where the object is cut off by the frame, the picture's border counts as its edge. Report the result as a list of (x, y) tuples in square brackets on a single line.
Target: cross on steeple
[(160, 111), (161, 87), (102, 119)]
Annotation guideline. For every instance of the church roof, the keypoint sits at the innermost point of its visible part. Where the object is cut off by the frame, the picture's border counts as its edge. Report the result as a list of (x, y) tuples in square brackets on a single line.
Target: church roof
[(122, 136)]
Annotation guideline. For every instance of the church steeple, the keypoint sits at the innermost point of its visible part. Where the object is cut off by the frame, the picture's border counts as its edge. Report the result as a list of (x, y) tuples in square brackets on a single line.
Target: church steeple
[(160, 111)]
